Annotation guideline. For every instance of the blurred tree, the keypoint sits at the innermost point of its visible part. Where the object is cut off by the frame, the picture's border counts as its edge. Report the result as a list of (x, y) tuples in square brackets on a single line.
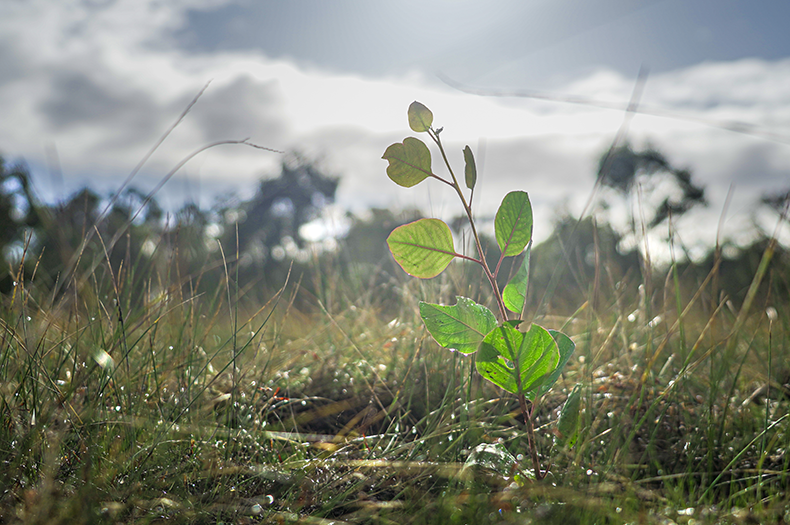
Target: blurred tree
[(591, 251), (366, 240), (131, 222), (269, 223), (20, 214), (628, 171), (74, 219), (188, 251), (131, 230), (736, 269), (69, 239), (778, 202), (364, 263)]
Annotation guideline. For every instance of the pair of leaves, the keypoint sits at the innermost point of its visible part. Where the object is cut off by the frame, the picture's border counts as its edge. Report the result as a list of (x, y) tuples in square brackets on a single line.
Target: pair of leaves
[(425, 247), (410, 160), (519, 362), (528, 362)]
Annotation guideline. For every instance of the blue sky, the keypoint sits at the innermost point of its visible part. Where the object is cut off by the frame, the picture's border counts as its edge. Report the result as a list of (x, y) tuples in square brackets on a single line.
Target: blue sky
[(93, 84), (531, 42)]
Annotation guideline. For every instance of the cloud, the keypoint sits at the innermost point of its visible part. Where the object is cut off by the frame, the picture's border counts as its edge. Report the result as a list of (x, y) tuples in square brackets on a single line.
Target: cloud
[(77, 100), (103, 81), (10, 59), (243, 108)]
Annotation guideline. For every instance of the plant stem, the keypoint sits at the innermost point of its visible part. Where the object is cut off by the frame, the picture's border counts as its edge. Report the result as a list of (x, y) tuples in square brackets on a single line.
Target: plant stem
[(533, 449), (468, 210)]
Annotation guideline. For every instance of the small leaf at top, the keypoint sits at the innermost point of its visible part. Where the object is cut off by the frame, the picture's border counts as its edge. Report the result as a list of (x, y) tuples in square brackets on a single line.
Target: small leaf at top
[(409, 162), (461, 327), (470, 170), (517, 361), (422, 248), (513, 223), (420, 117), (515, 293)]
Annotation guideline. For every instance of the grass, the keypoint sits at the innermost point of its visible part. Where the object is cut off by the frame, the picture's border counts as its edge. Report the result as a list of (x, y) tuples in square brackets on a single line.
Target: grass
[(176, 405)]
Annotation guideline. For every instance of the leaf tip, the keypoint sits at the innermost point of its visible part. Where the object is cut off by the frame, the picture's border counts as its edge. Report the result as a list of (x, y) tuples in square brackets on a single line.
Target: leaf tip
[(420, 117)]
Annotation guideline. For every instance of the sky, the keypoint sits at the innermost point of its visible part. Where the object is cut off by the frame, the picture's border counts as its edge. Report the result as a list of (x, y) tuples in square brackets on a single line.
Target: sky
[(87, 87)]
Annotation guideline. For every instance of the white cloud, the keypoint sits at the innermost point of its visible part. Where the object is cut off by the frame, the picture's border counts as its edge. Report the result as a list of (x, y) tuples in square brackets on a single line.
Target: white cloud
[(102, 83)]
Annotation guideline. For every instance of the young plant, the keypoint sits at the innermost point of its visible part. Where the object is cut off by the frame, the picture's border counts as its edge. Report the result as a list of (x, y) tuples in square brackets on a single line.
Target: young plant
[(525, 363)]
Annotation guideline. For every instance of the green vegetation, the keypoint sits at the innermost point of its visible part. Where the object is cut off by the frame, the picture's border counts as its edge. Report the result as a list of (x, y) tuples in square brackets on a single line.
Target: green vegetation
[(149, 377)]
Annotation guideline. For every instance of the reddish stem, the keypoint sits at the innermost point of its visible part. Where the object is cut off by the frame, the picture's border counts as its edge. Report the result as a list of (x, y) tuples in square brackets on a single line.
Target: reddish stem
[(533, 449)]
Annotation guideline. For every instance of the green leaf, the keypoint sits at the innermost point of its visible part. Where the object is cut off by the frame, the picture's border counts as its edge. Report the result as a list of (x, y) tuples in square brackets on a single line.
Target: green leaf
[(470, 170), (566, 347), (409, 162), (461, 327), (568, 422), (420, 117), (422, 248), (513, 223), (515, 292), (511, 359)]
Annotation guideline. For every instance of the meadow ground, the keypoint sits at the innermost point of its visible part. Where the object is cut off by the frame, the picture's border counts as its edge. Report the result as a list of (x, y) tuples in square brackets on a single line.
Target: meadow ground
[(329, 403)]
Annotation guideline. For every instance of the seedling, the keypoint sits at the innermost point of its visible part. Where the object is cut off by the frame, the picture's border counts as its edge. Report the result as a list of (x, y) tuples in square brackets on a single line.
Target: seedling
[(525, 363)]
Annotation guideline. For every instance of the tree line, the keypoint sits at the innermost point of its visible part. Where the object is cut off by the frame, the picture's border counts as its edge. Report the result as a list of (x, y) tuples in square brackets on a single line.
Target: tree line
[(129, 235)]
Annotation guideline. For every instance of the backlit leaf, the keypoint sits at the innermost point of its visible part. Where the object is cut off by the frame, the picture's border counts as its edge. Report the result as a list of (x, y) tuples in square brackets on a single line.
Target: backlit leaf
[(409, 162), (420, 117), (422, 248), (460, 327), (510, 358), (515, 292), (513, 223), (470, 169), (566, 347)]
